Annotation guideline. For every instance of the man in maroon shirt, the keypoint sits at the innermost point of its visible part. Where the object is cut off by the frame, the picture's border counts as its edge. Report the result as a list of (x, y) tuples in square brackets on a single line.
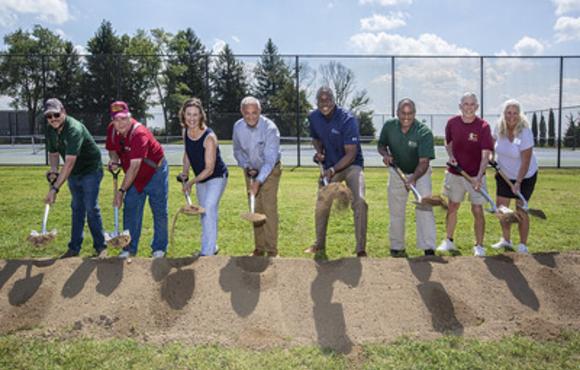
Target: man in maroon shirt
[(132, 145), (468, 142)]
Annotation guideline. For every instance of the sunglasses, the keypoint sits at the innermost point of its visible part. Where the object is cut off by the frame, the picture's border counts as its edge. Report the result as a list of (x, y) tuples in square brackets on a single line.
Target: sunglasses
[(51, 116), (122, 145)]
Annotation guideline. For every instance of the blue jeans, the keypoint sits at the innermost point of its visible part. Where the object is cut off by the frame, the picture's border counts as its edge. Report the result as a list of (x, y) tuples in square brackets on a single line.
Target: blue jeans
[(209, 194), (157, 190), (85, 202)]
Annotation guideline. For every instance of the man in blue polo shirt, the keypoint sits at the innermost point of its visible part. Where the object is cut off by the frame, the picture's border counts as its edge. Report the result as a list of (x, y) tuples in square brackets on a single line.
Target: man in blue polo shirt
[(335, 136)]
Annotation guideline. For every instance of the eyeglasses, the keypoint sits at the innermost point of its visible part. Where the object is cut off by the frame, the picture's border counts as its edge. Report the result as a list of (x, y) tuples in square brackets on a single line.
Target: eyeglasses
[(51, 116)]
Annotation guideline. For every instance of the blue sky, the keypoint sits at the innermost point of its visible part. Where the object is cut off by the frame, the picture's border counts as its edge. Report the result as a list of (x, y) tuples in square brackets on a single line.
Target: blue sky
[(360, 27), (399, 27)]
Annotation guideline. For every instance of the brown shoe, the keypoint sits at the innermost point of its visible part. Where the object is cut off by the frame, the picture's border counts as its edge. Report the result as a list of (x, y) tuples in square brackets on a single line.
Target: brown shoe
[(361, 254), (273, 254), (257, 253)]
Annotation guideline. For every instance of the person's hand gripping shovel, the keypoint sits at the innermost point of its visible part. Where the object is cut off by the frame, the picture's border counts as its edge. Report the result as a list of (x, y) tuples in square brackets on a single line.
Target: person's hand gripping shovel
[(42, 239), (504, 214), (252, 217), (187, 209), (116, 239), (332, 190), (427, 200), (534, 212)]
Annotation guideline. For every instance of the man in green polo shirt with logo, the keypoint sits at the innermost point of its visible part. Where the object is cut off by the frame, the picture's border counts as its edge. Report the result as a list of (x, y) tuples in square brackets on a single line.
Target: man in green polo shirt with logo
[(83, 168), (408, 143)]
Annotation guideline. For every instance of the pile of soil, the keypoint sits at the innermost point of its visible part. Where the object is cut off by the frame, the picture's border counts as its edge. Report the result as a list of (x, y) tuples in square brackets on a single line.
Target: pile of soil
[(260, 302)]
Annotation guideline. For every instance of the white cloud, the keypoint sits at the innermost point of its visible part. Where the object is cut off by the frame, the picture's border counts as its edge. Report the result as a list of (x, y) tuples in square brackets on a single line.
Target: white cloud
[(426, 44), (49, 11), (529, 47), (385, 2), (236, 39), (218, 46), (380, 22), (330, 5), (566, 6), (567, 28)]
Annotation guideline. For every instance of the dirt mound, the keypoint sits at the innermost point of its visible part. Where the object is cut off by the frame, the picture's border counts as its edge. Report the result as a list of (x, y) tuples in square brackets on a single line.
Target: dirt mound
[(262, 302)]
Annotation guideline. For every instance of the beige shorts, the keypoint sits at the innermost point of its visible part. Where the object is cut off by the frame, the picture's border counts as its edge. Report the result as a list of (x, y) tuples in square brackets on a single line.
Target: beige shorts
[(455, 187)]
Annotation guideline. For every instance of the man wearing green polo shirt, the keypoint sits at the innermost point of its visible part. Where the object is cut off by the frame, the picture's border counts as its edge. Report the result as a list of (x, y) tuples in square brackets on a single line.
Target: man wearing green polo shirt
[(83, 168), (408, 143)]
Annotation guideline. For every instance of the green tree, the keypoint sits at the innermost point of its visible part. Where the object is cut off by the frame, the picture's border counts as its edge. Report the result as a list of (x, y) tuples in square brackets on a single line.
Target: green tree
[(360, 107), (229, 87), (551, 129), (68, 80), (102, 81), (161, 40), (535, 128), (571, 133), (542, 131), (272, 75), (185, 75), (22, 66)]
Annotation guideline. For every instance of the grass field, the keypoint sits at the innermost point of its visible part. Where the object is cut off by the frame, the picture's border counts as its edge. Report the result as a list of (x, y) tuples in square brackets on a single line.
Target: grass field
[(21, 207), (24, 189)]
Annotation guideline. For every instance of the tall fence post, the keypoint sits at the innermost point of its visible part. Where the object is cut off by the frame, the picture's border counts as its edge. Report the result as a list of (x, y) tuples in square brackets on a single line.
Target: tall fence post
[(392, 86), (560, 112), (297, 66), (481, 100), (207, 91), (43, 100)]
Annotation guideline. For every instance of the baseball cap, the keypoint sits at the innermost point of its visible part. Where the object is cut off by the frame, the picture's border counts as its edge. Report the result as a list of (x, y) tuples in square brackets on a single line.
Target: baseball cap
[(119, 109), (53, 105)]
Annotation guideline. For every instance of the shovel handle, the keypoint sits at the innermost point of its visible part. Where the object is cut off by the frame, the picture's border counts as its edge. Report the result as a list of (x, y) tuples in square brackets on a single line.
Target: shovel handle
[(52, 181), (397, 169), (463, 173), (509, 182), (481, 190), (115, 176), (45, 219)]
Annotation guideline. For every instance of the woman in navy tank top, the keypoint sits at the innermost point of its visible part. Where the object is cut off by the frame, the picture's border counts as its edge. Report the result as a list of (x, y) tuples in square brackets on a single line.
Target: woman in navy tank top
[(202, 155)]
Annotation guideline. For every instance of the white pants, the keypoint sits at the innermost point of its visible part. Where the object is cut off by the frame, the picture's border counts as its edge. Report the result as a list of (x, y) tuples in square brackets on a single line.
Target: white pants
[(398, 196)]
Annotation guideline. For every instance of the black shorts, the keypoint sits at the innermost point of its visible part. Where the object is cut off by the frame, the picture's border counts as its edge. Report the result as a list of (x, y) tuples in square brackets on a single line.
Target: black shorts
[(526, 188)]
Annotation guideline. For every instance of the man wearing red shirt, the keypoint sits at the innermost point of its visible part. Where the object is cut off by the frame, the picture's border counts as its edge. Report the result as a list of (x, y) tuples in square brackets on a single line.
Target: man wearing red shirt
[(468, 142), (146, 174)]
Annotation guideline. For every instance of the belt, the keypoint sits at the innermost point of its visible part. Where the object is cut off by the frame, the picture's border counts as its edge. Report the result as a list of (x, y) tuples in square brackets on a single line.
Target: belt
[(153, 164)]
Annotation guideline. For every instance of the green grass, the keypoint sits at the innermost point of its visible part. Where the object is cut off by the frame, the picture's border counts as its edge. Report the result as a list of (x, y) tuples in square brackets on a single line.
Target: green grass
[(21, 206), (443, 353), (23, 190)]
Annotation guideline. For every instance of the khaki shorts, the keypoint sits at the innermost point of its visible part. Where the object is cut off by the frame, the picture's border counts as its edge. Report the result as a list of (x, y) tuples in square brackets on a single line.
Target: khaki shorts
[(455, 187)]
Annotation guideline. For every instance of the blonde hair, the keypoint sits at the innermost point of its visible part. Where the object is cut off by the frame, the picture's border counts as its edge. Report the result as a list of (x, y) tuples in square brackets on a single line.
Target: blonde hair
[(502, 124), (193, 102)]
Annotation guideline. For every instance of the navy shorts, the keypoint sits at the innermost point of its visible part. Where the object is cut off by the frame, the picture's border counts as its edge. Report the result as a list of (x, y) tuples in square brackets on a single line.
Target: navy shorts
[(526, 188)]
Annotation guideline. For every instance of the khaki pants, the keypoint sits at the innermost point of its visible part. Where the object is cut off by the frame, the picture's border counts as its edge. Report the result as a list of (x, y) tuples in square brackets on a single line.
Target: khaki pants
[(354, 177), (266, 202), (398, 196)]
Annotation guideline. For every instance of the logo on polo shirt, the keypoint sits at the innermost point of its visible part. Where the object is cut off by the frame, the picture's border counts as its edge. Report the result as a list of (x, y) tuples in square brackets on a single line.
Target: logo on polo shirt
[(473, 137), (334, 131), (412, 144)]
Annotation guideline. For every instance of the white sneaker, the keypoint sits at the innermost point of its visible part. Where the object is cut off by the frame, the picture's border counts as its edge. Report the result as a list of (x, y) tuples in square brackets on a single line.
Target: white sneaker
[(158, 254), (522, 248), (502, 244), (446, 246), (124, 254), (478, 251)]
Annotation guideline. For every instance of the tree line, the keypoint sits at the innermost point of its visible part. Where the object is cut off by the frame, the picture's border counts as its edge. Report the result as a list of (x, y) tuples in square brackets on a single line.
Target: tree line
[(158, 68), (545, 135)]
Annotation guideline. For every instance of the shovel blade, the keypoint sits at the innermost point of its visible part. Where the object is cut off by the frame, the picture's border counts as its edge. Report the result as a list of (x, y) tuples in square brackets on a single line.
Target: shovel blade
[(253, 217), (40, 240), (118, 240)]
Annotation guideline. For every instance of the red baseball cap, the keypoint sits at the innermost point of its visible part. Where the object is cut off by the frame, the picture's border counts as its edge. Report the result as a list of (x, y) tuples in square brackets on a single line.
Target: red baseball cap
[(119, 109)]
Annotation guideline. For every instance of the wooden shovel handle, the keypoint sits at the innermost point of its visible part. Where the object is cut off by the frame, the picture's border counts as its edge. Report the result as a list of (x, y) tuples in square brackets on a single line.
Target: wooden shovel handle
[(463, 173), (503, 175)]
